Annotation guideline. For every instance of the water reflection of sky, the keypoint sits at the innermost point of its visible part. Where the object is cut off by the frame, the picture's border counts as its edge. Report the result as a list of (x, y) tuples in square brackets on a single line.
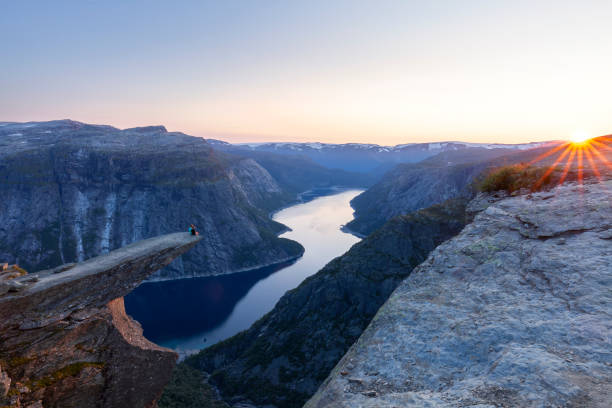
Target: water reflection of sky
[(190, 314)]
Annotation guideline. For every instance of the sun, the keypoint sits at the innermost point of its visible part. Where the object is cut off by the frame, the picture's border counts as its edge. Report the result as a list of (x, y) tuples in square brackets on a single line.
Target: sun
[(580, 137)]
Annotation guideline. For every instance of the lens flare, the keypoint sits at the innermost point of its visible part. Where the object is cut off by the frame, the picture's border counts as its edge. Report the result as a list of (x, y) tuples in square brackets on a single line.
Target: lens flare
[(580, 155), (580, 137)]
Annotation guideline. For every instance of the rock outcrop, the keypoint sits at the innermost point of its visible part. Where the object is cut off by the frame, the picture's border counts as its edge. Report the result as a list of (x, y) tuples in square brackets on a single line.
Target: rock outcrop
[(66, 341), (71, 191), (284, 357), (514, 311)]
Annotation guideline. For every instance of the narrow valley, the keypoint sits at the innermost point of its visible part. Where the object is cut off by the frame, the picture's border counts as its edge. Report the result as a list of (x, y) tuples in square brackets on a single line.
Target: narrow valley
[(188, 315)]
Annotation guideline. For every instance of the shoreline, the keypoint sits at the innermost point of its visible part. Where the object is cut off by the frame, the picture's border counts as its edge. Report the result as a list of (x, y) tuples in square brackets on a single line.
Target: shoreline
[(193, 344), (299, 200), (347, 230), (289, 260)]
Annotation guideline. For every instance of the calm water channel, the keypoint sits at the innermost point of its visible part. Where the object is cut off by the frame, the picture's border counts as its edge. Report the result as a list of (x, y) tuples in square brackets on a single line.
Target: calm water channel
[(190, 314)]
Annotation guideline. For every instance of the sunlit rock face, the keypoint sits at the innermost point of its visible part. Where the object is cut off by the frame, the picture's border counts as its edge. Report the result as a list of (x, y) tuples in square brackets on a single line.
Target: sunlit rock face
[(66, 341), (514, 311), (71, 191)]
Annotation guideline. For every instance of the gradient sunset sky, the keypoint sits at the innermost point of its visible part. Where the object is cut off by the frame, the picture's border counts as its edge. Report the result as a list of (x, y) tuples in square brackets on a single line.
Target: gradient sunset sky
[(383, 72)]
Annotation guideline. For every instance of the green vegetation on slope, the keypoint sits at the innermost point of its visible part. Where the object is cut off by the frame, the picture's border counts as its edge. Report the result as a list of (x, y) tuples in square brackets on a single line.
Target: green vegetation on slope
[(515, 177), (188, 389)]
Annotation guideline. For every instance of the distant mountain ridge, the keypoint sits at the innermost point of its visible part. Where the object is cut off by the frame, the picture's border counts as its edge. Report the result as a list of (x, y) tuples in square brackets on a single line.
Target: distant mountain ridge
[(450, 145), (363, 157), (411, 186)]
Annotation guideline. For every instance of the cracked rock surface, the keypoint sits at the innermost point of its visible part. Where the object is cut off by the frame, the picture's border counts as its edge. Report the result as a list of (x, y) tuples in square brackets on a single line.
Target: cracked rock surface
[(514, 311)]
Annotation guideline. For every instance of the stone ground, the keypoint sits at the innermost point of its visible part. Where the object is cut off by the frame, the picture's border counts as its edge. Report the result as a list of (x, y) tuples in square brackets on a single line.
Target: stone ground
[(514, 311)]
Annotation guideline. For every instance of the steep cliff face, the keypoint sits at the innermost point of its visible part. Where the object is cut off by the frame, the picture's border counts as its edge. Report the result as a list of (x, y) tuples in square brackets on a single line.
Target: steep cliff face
[(514, 311), (71, 191), (282, 358), (410, 187), (66, 341)]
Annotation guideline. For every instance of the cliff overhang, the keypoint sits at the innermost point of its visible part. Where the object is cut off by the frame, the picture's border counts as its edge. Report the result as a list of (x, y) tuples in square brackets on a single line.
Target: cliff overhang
[(65, 339)]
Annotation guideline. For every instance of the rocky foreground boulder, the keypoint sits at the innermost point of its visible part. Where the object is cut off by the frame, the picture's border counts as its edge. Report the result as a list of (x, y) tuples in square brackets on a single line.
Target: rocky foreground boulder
[(66, 341), (515, 311)]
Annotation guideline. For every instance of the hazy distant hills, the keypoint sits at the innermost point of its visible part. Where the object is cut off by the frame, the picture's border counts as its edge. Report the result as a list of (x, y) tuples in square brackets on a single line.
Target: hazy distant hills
[(367, 158), (402, 178), (412, 186)]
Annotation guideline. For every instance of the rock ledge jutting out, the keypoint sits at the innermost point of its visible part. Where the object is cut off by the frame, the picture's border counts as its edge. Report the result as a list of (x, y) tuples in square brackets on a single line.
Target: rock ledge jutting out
[(66, 341)]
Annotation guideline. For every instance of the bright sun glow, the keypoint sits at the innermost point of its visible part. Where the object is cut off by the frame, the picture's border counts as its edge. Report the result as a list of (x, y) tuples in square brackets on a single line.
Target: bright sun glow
[(583, 155), (580, 136)]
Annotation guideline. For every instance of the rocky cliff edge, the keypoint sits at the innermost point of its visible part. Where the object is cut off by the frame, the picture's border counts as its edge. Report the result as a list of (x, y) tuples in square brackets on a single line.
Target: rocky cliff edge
[(514, 311), (66, 341)]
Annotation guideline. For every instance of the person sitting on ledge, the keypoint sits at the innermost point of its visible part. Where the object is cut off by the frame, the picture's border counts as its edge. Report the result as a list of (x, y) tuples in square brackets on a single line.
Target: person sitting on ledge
[(192, 230)]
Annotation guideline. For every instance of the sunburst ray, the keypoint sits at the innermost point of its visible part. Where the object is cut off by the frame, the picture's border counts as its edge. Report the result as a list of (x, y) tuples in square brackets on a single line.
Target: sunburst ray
[(552, 167), (568, 165)]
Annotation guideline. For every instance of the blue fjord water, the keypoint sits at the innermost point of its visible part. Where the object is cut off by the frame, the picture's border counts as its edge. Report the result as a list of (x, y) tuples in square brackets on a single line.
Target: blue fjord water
[(190, 314)]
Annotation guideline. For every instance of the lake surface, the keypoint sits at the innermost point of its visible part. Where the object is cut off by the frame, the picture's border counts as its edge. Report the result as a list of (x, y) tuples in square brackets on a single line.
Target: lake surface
[(190, 314)]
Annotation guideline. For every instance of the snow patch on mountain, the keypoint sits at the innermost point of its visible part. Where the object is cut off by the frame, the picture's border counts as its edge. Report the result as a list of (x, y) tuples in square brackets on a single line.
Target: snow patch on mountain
[(296, 146)]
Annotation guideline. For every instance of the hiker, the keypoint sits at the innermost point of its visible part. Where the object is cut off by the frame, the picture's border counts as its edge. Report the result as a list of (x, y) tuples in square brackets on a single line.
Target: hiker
[(192, 230)]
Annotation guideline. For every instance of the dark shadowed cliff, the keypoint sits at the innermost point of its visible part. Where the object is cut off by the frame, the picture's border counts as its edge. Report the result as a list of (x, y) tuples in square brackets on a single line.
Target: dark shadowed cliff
[(282, 358)]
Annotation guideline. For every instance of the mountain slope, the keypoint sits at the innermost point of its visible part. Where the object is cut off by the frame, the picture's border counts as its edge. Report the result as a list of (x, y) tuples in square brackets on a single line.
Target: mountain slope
[(297, 174), (513, 312), (409, 187), (72, 190), (283, 357)]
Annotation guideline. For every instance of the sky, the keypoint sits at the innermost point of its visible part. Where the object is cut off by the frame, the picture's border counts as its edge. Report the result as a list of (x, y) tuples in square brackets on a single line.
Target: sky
[(336, 71)]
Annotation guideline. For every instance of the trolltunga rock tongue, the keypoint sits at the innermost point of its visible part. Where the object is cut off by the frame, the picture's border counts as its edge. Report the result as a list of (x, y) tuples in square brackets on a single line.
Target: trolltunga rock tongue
[(65, 339), (514, 311), (57, 293)]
